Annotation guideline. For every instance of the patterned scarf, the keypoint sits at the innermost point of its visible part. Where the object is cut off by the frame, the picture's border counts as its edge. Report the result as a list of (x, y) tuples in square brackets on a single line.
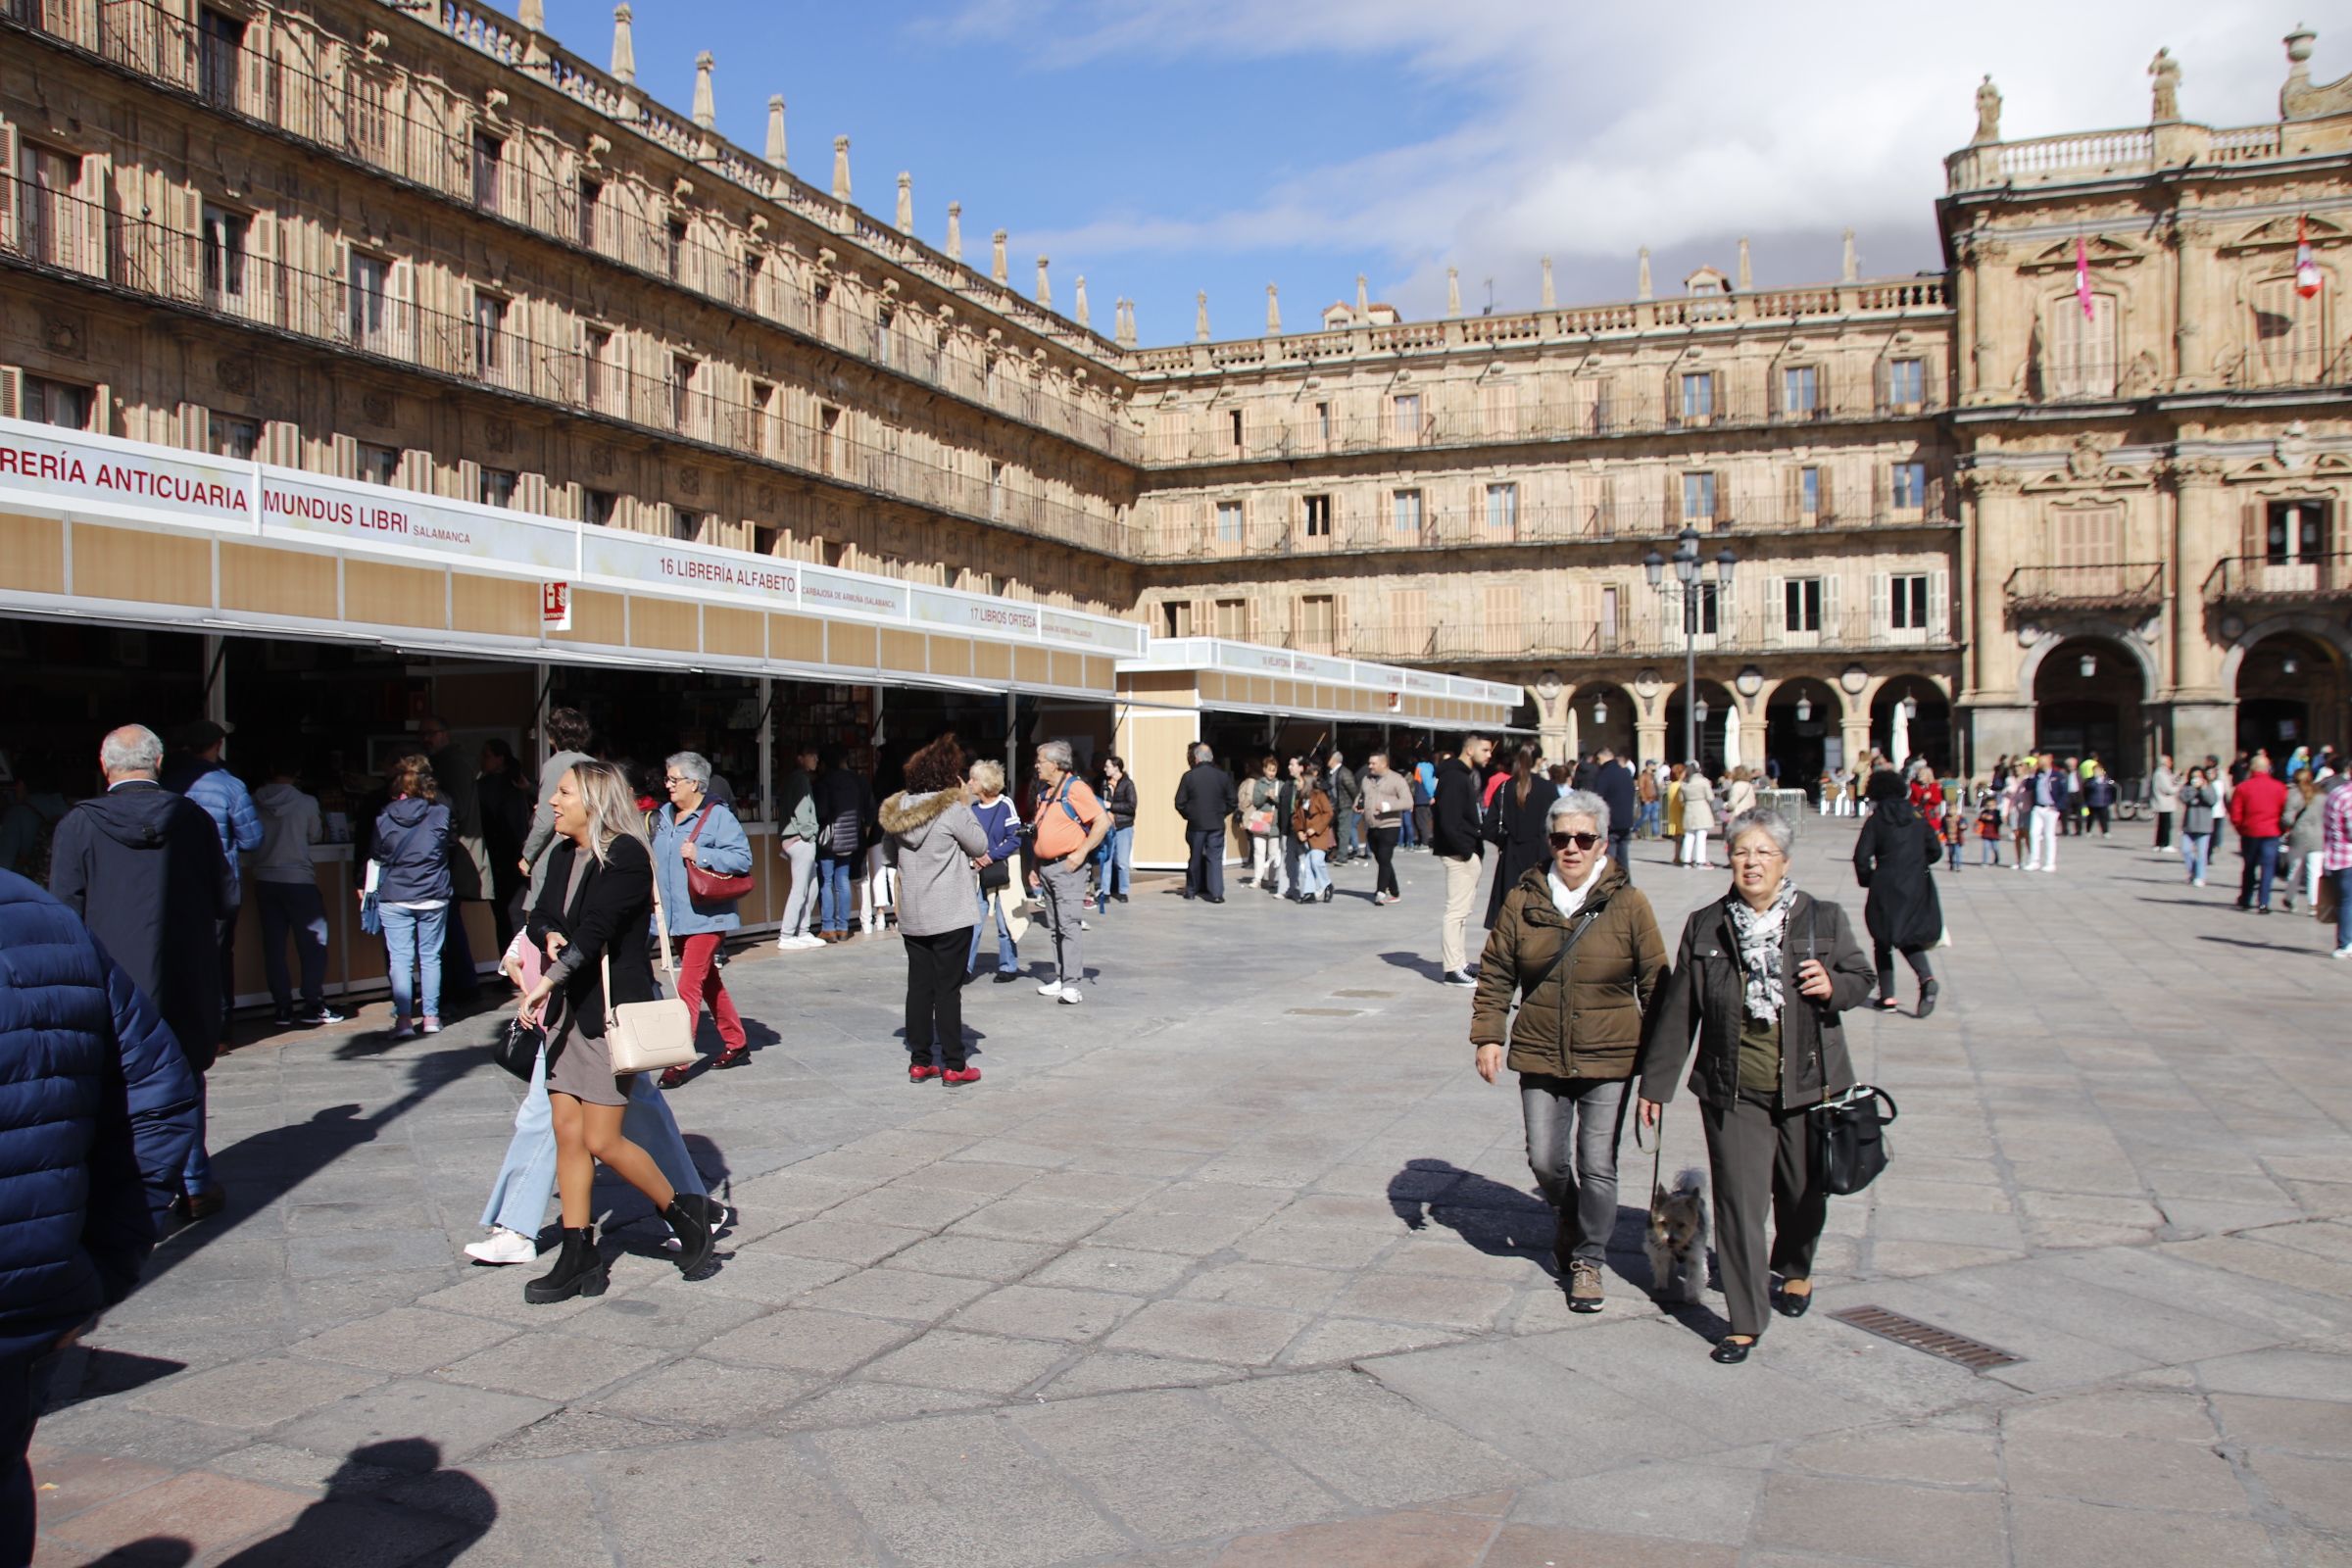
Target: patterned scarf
[(1760, 936)]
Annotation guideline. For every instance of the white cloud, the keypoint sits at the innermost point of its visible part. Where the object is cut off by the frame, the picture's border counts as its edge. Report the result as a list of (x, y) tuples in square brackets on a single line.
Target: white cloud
[(1607, 128)]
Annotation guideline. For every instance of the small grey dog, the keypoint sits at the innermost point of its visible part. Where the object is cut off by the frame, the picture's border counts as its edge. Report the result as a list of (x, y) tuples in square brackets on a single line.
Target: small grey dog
[(1676, 1238)]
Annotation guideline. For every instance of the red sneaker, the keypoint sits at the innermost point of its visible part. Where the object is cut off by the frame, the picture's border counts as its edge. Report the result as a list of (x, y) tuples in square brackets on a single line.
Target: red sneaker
[(961, 1075), (918, 1071)]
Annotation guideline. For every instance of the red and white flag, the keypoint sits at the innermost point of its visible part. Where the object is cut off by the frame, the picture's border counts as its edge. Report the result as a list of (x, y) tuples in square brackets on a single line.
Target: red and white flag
[(2307, 266), (2082, 280)]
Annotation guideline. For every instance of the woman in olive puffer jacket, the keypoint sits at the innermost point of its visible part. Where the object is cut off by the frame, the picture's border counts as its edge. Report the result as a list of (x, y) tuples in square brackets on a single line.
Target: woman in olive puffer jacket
[(1580, 946)]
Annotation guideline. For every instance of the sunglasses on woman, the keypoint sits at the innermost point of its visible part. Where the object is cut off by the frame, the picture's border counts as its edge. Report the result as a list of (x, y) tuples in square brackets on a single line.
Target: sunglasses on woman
[(1583, 841)]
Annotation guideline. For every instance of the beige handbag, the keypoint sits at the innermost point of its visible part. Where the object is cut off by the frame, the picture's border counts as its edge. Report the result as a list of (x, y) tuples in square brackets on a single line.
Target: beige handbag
[(642, 1036)]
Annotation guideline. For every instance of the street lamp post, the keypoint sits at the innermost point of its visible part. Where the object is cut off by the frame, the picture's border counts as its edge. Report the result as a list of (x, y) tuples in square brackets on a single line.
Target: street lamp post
[(1685, 588)]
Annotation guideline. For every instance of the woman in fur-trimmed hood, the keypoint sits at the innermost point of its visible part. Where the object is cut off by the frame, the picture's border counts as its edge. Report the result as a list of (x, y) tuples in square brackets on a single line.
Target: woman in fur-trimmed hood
[(941, 848)]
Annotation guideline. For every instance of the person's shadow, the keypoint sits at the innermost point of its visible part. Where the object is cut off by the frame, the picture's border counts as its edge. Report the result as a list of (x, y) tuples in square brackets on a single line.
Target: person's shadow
[(354, 1523), (1427, 969), (1499, 1221)]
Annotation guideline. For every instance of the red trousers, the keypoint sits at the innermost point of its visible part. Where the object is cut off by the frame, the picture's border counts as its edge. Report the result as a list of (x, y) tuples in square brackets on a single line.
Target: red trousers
[(699, 983)]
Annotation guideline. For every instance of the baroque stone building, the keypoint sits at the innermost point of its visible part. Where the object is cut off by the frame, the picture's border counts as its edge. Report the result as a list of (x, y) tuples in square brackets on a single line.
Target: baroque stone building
[(2081, 488)]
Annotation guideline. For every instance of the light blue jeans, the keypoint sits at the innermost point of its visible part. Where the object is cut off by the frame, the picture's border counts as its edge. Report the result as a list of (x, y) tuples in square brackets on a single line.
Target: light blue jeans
[(527, 1180), (1314, 874), (2197, 853), (837, 904), (1008, 959), (1114, 863), (413, 943)]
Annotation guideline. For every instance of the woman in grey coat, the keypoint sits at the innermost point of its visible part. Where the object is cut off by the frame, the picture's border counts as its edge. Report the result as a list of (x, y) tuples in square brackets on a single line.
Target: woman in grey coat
[(941, 848)]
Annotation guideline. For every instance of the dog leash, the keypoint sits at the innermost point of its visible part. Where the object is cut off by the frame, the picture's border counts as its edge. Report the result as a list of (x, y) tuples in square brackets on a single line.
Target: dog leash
[(1657, 1147)]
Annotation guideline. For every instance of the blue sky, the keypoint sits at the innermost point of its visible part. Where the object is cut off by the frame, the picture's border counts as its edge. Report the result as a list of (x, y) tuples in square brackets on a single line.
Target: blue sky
[(1164, 146)]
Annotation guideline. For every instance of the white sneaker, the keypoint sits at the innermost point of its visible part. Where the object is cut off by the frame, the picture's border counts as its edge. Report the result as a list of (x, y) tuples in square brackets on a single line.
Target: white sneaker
[(2343, 953), (503, 1245), (2199, 883), (1052, 988), (2053, 870), (1070, 997)]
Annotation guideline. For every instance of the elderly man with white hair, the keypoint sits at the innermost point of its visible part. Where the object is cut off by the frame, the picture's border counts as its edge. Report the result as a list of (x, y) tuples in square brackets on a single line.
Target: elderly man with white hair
[(144, 869), (1070, 822)]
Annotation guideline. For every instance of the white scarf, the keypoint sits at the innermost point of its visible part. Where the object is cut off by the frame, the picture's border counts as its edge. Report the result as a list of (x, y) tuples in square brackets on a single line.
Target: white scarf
[(1760, 936), (1568, 900)]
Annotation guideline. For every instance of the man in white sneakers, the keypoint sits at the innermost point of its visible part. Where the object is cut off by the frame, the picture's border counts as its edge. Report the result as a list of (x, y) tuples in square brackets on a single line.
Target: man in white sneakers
[(1070, 822)]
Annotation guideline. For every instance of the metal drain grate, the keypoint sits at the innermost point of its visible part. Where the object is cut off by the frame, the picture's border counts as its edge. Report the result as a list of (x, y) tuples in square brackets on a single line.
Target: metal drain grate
[(1975, 1354), (1325, 1012), (1364, 993)]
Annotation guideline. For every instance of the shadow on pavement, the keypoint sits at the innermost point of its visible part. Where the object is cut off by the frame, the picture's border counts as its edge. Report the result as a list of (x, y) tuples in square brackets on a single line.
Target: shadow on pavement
[(258, 1171), (353, 1524), (1426, 969), (1498, 1220)]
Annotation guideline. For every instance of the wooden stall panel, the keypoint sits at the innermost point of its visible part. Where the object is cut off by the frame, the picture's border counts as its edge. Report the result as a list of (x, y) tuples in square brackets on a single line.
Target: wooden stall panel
[(160, 569), (597, 616), (904, 652), (951, 656), (277, 582), (671, 623), (795, 639), (992, 662), (33, 554), (851, 647), (1029, 667), (395, 596), (734, 633), (497, 607)]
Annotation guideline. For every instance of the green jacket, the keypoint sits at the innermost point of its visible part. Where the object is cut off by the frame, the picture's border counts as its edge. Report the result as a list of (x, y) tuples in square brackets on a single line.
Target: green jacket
[(1580, 1017)]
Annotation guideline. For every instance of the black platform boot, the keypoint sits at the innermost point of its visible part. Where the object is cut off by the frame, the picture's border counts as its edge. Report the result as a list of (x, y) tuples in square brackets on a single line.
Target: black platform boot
[(690, 1220), (580, 1271)]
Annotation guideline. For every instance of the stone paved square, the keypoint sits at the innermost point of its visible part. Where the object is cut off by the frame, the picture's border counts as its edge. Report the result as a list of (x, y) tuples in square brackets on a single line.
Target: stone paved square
[(1068, 1316)]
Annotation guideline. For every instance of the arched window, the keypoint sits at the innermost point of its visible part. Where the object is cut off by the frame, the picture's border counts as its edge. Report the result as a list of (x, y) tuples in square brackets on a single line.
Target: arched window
[(2079, 354), (2289, 340)]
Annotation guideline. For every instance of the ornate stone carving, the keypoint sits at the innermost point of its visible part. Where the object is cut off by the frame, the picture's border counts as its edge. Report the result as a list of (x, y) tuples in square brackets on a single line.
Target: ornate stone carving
[(376, 405), (65, 333), (2088, 458), (690, 482), (233, 374), (2164, 92), (2139, 376), (499, 434), (1988, 114), (600, 459)]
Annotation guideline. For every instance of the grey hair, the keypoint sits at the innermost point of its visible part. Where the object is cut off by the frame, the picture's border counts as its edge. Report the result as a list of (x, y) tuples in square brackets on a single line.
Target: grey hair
[(694, 764), (132, 749), (1059, 753), (1765, 820), (1579, 803)]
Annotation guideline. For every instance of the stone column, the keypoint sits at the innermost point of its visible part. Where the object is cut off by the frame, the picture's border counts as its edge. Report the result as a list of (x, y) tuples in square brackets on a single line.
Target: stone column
[(2205, 529), (1964, 323), (2192, 361)]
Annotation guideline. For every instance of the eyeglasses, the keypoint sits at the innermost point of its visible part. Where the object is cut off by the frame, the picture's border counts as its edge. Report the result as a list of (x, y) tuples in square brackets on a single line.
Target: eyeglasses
[(1583, 841), (1756, 851), (675, 779)]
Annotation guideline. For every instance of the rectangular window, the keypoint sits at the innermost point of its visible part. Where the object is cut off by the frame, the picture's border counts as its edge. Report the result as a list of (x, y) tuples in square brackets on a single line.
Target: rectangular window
[(57, 403), (996, 492), (489, 155), (1177, 616), (220, 39), (1318, 517), (1315, 624), (1323, 422), (237, 439), (53, 231), (596, 349), (1233, 619), (225, 249), (1698, 498), (828, 435), (2294, 531), (378, 464), (1800, 389), (1235, 417), (489, 334), (1610, 600), (1909, 489), (1703, 608), (675, 254), (1801, 605), (1502, 508), (1406, 407), (597, 507), (370, 316), (497, 487), (1907, 606), (1405, 507), (681, 390), (884, 321), (1229, 522), (686, 525), (754, 433), (1808, 492), (592, 191), (1907, 383), (1698, 396)]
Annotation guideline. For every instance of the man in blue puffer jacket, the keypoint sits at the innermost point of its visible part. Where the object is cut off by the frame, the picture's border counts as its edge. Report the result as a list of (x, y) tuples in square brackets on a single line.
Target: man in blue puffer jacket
[(97, 1115)]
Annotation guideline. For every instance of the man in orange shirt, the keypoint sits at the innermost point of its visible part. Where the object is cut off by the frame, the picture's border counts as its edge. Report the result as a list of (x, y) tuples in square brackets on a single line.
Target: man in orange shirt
[(1070, 822)]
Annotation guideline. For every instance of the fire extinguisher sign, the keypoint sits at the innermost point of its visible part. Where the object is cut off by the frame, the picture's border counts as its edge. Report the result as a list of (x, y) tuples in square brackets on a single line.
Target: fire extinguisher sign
[(554, 607)]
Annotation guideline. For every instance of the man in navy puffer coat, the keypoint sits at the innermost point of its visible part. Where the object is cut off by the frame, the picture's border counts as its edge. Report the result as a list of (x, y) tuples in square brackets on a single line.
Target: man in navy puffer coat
[(97, 1114)]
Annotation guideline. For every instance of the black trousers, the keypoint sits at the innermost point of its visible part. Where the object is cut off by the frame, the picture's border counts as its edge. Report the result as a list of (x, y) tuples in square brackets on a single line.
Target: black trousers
[(2164, 830), (935, 974), (1204, 867), (1762, 1162), (1916, 958), (2098, 819), (1383, 850), (24, 1389)]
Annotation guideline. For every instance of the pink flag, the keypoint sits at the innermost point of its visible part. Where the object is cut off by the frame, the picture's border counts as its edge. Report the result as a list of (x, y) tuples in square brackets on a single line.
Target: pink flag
[(2082, 280), (2307, 266)]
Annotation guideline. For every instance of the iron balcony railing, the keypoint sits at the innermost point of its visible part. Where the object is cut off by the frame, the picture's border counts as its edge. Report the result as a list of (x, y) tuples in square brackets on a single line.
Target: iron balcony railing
[(2112, 584), (355, 114), (1223, 536), (2257, 577), (361, 313), (1471, 640)]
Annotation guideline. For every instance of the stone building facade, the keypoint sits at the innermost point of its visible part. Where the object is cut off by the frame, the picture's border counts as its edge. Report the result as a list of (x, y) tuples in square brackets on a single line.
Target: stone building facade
[(2085, 487)]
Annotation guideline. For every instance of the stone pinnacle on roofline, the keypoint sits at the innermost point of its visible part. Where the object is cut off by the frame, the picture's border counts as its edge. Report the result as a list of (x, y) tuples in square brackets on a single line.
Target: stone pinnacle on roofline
[(1551, 299), (1200, 316), (1079, 309), (625, 47), (841, 168), (906, 213), (1641, 281), (705, 103), (997, 269), (1745, 278), (954, 231), (1453, 291), (1273, 311), (1850, 269), (775, 130), (1045, 284)]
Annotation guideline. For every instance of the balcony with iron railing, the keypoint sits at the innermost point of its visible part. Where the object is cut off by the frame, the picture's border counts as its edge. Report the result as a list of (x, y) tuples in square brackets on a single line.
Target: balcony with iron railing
[(1353, 532), (81, 241), (352, 115), (2256, 579), (2099, 585), (1286, 433), (1470, 640)]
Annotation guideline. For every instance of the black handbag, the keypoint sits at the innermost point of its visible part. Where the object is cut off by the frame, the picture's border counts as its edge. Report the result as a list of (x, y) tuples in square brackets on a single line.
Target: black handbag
[(1851, 1138), (996, 875), (517, 1047)]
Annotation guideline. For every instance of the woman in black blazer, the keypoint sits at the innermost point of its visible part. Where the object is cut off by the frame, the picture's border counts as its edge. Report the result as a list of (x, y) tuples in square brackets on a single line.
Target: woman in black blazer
[(1515, 825), (592, 918)]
